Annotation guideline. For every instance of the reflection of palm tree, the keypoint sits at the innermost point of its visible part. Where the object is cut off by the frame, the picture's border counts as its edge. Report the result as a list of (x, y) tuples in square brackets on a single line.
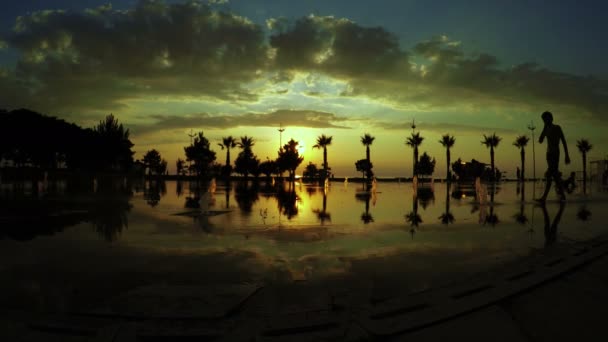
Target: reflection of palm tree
[(323, 215), (584, 146), (447, 217), (521, 217), (551, 228), (491, 142), (246, 196), (367, 140), (583, 213), (521, 142), (322, 142), (447, 141), (366, 216), (228, 143), (414, 141), (412, 217), (287, 201)]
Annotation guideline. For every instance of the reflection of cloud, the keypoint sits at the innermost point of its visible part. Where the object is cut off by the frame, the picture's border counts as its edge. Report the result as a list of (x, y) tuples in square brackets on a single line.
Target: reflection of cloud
[(287, 117)]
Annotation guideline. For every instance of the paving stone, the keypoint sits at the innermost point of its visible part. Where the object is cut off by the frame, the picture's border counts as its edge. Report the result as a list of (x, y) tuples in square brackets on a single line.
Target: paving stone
[(559, 311), (168, 301), (598, 268), (491, 324)]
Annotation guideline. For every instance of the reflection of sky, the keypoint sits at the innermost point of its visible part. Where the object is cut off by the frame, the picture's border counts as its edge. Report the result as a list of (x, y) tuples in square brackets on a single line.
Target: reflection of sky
[(302, 242), (244, 247)]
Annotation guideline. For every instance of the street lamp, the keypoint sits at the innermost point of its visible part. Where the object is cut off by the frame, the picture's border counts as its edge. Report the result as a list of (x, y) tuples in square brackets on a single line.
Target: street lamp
[(531, 127), (281, 130), (191, 135)]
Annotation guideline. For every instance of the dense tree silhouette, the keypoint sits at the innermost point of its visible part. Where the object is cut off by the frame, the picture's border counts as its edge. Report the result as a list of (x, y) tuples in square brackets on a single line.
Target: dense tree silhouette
[(30, 139), (154, 163), (200, 155), (363, 166), (246, 162), (521, 142), (584, 146), (322, 142), (289, 158), (114, 149), (414, 142), (180, 167), (426, 165), (448, 142), (491, 142), (268, 167)]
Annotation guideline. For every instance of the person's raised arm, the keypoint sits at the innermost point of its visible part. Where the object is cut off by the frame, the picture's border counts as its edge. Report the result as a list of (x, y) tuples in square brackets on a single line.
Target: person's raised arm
[(542, 135), (563, 139)]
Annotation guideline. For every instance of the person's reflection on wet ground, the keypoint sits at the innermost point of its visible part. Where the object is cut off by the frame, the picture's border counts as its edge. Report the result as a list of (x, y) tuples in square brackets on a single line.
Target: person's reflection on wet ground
[(551, 227)]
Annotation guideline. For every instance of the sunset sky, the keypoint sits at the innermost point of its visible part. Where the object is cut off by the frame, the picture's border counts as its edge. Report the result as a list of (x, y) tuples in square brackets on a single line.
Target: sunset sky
[(340, 68)]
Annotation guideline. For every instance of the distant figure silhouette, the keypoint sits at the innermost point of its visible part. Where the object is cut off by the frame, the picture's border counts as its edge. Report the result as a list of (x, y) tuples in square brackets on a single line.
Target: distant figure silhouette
[(554, 135), (570, 183)]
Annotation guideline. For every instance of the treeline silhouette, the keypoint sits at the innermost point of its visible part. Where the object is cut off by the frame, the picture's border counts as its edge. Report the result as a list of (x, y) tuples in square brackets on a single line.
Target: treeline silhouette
[(30, 140)]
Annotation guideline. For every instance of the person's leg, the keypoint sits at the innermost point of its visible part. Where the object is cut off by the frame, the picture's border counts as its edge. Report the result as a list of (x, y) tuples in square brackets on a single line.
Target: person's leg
[(552, 172), (548, 180), (559, 186)]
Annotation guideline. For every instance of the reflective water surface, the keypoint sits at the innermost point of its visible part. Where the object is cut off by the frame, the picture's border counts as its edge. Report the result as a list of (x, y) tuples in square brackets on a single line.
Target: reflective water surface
[(66, 250)]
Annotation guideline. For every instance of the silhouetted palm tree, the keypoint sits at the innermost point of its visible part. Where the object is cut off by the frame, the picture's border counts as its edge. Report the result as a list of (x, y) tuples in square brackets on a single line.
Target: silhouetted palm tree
[(584, 146), (228, 143), (448, 141), (367, 140), (246, 142), (322, 142), (521, 142), (414, 141), (491, 142)]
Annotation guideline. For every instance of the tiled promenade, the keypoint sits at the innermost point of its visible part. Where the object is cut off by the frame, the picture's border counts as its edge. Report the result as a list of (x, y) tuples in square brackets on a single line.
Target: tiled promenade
[(558, 294)]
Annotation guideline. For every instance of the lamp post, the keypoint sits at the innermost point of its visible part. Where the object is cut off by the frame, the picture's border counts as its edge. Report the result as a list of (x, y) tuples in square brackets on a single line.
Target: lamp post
[(281, 130), (531, 127), (191, 135), (413, 157)]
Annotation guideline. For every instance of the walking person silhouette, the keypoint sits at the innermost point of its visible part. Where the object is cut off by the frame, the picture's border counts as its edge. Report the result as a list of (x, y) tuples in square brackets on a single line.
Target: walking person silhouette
[(554, 136)]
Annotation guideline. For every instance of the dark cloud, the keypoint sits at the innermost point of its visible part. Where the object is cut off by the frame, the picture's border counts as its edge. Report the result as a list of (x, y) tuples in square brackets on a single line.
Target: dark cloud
[(286, 117), (338, 47), (103, 56), (446, 78)]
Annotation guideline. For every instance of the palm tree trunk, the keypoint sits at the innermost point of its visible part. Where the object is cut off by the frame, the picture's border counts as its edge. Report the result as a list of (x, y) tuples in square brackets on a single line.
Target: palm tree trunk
[(325, 161), (492, 163), (584, 172), (448, 173), (415, 160), (227, 157), (523, 164), (368, 162)]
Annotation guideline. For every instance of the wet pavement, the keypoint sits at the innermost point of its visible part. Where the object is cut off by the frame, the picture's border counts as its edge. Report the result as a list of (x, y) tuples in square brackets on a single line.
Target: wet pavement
[(557, 293)]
